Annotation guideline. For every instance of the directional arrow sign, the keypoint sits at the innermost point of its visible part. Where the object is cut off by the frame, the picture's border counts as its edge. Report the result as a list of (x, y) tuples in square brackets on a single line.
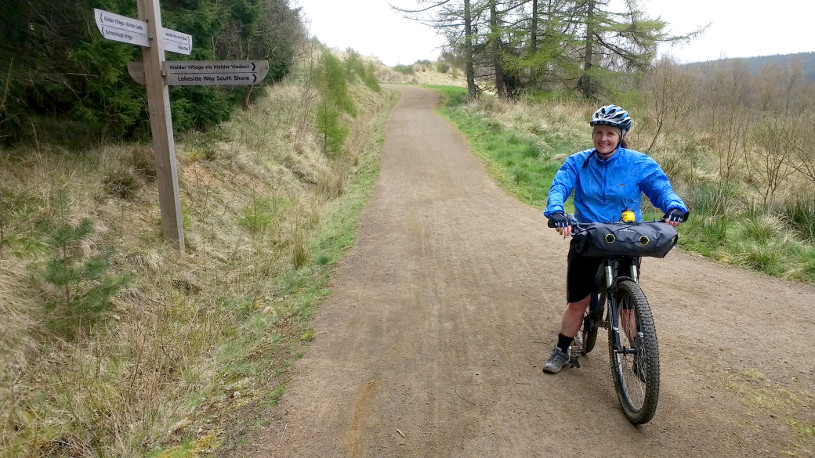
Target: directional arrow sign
[(215, 72), (176, 42), (127, 30), (207, 72), (121, 28)]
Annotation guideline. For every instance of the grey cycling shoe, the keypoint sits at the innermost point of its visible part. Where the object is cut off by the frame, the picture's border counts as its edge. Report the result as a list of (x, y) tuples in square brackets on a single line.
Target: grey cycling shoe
[(556, 361)]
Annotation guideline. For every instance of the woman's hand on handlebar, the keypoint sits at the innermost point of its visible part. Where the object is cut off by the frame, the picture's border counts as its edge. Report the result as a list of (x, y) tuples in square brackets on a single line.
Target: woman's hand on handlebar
[(561, 223), (564, 231), (675, 217)]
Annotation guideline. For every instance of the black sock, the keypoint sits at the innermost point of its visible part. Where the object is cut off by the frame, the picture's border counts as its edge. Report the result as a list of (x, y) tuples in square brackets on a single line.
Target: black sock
[(564, 342)]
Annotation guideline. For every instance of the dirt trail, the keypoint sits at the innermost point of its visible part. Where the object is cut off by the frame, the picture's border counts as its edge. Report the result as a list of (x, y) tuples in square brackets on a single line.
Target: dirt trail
[(433, 339)]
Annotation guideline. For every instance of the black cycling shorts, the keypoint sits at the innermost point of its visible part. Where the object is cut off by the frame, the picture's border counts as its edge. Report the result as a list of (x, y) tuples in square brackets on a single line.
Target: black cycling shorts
[(581, 272)]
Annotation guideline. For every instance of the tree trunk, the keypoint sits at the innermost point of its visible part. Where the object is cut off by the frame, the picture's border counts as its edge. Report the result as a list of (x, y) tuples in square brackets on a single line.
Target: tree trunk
[(468, 50), (533, 36), (495, 38), (587, 86)]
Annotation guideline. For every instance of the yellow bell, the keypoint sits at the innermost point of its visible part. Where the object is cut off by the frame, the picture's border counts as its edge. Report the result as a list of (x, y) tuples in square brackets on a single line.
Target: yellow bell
[(628, 216)]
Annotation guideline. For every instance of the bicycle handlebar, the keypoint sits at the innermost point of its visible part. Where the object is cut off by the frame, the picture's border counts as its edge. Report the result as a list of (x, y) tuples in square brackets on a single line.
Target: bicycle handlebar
[(577, 225)]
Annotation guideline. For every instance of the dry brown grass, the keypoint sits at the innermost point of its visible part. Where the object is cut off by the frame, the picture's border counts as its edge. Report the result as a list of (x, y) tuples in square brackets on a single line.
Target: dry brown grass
[(422, 75), (194, 338)]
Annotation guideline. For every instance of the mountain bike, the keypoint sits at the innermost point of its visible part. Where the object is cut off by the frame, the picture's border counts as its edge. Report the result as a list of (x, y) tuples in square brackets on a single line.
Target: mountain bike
[(621, 307)]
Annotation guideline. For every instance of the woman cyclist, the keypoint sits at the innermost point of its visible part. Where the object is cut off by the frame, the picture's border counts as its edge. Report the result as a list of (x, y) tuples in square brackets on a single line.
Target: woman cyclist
[(606, 180)]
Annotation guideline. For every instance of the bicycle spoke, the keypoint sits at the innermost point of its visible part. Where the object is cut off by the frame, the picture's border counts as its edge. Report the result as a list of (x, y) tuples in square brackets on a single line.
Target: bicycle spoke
[(634, 380)]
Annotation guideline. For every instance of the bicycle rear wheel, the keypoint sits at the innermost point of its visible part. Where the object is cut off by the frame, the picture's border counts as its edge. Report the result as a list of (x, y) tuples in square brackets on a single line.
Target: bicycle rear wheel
[(634, 354)]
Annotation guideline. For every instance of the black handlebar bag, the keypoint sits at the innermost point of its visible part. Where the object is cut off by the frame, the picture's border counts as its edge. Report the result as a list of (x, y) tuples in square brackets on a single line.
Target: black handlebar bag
[(652, 239)]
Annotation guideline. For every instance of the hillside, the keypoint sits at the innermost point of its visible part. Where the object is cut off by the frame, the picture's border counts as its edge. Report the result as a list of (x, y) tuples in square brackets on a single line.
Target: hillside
[(754, 64), (114, 344)]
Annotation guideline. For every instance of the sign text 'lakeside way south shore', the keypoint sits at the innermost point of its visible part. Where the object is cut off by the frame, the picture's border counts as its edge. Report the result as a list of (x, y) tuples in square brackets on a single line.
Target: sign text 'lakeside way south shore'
[(215, 72), (206, 72)]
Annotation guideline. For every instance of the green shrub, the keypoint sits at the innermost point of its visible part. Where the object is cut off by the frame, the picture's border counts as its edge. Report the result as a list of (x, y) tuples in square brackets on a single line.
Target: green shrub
[(763, 256), (406, 69), (261, 213), (83, 286), (332, 83), (332, 132), (370, 79), (760, 228), (354, 66)]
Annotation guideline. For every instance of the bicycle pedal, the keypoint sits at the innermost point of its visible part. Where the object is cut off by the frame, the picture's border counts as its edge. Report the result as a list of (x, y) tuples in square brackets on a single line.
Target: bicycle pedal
[(573, 362)]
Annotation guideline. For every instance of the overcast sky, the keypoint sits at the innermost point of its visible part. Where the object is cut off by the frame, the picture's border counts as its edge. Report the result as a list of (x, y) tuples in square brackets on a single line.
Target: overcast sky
[(737, 28)]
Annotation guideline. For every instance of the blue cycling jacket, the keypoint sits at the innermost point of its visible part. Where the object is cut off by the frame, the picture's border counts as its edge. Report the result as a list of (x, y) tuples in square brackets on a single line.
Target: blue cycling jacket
[(604, 188)]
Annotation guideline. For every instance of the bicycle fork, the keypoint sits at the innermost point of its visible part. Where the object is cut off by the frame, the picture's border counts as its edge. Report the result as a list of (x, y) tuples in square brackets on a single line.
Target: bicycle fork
[(631, 332)]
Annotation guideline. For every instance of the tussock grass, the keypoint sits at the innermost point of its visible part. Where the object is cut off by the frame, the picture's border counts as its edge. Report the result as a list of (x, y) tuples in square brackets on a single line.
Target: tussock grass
[(799, 212), (183, 356)]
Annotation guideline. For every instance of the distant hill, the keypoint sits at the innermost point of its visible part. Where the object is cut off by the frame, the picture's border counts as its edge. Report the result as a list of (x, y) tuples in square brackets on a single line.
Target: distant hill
[(806, 59)]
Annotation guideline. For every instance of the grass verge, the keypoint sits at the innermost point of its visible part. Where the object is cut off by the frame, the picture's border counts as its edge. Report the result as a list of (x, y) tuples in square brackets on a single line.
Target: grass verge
[(522, 163)]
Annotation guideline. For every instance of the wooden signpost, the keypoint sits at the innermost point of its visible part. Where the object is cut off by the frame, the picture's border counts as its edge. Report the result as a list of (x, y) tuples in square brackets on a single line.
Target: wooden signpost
[(156, 74)]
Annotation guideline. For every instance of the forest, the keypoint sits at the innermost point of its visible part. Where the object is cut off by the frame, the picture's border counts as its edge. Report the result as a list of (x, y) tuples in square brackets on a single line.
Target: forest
[(806, 60), (64, 83), (590, 46)]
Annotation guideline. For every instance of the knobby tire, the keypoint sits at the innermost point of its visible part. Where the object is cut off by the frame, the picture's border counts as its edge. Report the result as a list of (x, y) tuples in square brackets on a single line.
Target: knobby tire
[(591, 321), (637, 386)]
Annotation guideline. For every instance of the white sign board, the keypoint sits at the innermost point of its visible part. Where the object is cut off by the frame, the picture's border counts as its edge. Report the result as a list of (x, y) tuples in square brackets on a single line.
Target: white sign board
[(121, 28), (177, 42), (206, 72), (133, 31)]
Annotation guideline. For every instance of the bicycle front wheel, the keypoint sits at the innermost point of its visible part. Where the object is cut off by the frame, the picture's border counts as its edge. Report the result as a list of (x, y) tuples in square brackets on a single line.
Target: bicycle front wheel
[(634, 354), (591, 321)]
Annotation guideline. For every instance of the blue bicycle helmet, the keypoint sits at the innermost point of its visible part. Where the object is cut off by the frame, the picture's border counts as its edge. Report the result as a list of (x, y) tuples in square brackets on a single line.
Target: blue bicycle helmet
[(611, 115)]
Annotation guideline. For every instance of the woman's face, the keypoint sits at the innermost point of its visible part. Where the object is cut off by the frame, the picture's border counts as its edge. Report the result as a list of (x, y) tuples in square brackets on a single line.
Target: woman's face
[(606, 139)]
